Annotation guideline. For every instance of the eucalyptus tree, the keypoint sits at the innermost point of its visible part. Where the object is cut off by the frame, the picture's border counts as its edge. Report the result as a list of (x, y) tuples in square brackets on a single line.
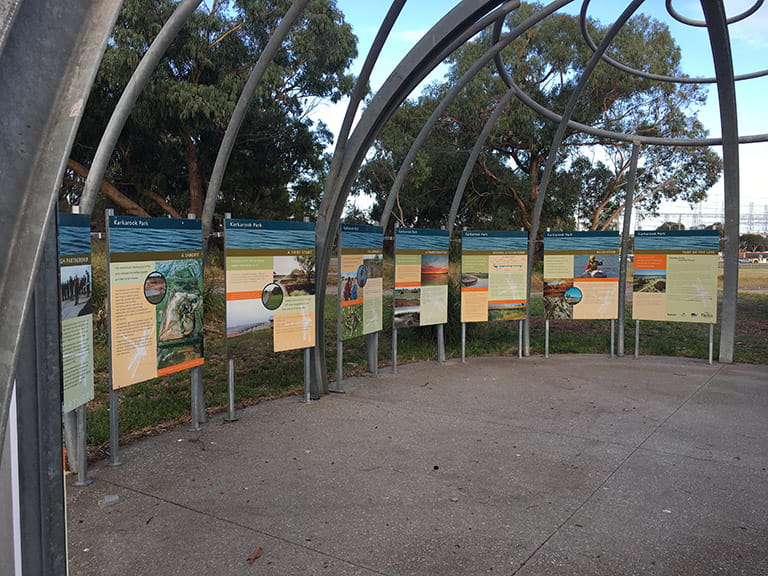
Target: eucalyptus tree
[(167, 149), (546, 62)]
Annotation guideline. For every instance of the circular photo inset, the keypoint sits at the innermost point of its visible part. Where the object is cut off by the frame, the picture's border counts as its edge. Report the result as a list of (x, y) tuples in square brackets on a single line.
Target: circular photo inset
[(362, 275), (155, 287), (272, 296), (573, 295)]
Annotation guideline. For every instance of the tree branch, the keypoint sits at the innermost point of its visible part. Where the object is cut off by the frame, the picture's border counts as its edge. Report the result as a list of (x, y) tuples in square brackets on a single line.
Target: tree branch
[(109, 191)]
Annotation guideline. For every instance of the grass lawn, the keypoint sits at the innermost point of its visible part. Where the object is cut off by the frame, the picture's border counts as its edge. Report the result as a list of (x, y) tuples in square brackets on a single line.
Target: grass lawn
[(261, 374)]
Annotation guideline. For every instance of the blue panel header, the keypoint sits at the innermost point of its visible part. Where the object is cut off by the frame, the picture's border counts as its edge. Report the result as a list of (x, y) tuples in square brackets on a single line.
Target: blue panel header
[(571, 241), (677, 240), (138, 234), (359, 236), (421, 239), (74, 234), (268, 234), (484, 240)]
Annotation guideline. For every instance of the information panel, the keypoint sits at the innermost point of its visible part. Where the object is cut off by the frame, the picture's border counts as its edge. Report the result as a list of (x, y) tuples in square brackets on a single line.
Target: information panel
[(155, 297), (581, 275), (421, 277), (362, 279), (270, 268), (494, 268), (75, 289), (675, 275)]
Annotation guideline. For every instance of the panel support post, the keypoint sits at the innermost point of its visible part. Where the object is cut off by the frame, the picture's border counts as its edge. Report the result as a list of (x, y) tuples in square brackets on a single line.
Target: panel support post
[(231, 414), (637, 338), (711, 341), (307, 375), (394, 349), (463, 342), (338, 386), (546, 338), (114, 399), (520, 338), (372, 346), (196, 379), (81, 441), (441, 343), (613, 336)]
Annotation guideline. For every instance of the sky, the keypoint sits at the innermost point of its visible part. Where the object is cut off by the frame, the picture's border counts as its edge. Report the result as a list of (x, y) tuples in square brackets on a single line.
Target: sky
[(749, 40)]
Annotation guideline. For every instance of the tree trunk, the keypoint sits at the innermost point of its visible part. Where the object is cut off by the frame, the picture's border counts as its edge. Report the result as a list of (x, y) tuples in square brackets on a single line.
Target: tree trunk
[(160, 201), (130, 207), (195, 177)]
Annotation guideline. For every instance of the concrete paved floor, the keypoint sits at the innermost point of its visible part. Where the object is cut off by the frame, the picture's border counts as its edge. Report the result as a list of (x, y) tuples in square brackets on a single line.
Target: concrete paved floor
[(568, 465)]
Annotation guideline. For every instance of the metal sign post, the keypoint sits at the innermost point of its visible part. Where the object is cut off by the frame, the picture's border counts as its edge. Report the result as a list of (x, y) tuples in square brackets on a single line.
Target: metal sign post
[(441, 343), (372, 346), (339, 384), (231, 414), (307, 375), (394, 296), (114, 399)]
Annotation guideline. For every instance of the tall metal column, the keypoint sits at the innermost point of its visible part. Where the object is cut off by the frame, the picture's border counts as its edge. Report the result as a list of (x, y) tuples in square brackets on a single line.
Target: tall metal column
[(38, 387), (714, 14), (626, 232)]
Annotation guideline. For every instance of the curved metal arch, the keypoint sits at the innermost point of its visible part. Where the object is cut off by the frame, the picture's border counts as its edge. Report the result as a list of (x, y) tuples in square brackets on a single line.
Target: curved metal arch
[(558, 139), (128, 99), (714, 13), (319, 384), (700, 23), (661, 77), (450, 96), (464, 21), (241, 109), (47, 96), (360, 88), (609, 134), (475, 154)]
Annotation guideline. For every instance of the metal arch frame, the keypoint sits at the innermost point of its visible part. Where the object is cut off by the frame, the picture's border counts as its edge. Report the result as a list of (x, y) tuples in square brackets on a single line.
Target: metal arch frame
[(474, 155), (661, 77), (717, 26), (461, 23), (128, 99), (558, 139), (48, 94), (498, 45), (358, 92), (703, 24), (318, 385), (601, 133), (241, 109)]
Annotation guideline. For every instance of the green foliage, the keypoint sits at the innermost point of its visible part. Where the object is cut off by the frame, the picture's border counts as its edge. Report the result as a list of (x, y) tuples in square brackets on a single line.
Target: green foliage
[(170, 142), (753, 243), (671, 226), (546, 62)]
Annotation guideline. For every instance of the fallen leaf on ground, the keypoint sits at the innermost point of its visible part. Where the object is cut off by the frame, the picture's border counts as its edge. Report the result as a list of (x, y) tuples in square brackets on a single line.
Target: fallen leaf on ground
[(256, 555)]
